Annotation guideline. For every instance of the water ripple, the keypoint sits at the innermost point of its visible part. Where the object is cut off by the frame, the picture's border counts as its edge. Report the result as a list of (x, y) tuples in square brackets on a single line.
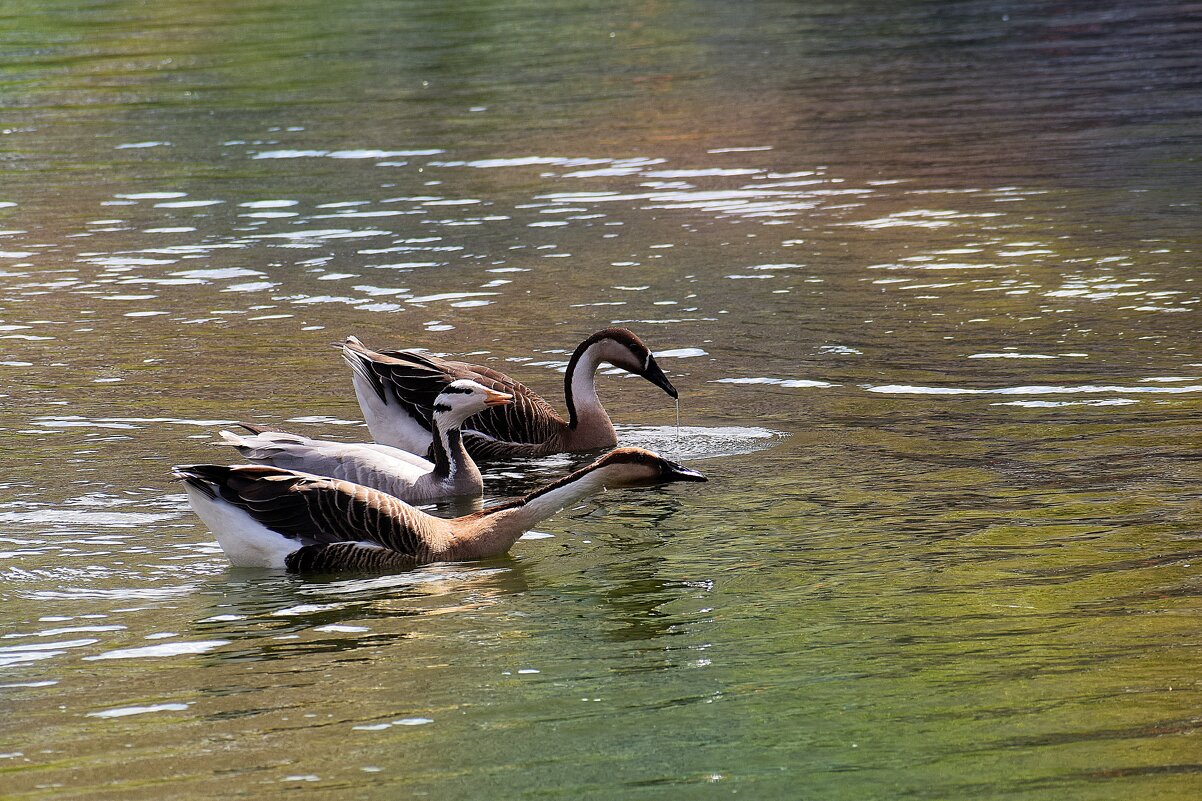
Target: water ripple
[(904, 389)]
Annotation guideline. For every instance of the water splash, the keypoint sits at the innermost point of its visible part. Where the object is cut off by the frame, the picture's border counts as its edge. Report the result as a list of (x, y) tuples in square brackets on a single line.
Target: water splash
[(676, 449), (701, 442)]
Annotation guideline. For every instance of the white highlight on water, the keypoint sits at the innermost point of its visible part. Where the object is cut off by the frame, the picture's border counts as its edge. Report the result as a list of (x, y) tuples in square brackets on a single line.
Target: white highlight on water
[(171, 649), (137, 710)]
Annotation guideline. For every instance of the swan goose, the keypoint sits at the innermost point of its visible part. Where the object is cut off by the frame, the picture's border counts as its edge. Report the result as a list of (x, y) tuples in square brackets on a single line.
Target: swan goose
[(396, 390), (411, 478), (273, 518)]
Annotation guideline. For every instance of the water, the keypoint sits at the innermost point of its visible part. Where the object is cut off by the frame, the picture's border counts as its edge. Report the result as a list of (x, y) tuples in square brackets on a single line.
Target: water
[(925, 276)]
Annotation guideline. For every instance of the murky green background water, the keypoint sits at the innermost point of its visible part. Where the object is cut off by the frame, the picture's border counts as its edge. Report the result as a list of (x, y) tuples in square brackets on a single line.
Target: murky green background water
[(950, 249)]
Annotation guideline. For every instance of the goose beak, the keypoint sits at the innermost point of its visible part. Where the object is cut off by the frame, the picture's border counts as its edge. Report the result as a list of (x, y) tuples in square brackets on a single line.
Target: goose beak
[(656, 376), (494, 398), (678, 472)]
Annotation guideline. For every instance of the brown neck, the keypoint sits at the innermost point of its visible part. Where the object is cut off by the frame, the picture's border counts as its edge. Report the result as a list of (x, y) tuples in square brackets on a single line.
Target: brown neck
[(494, 530)]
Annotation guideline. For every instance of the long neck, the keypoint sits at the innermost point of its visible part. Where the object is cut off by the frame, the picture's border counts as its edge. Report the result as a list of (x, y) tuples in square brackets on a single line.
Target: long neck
[(494, 530), (450, 456), (580, 388)]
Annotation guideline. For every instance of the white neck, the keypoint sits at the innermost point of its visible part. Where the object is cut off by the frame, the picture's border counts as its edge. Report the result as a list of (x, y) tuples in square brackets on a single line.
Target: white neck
[(518, 519), (585, 409)]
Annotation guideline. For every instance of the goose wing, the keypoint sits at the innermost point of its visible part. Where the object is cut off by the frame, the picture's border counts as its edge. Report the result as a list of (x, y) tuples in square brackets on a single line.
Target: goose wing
[(411, 380), (415, 379), (315, 510), (527, 419), (397, 453), (378, 467), (481, 448)]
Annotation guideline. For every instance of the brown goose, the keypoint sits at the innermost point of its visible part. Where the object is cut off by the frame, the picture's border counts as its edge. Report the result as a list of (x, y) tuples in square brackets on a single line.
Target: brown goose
[(268, 517), (396, 390), (410, 478)]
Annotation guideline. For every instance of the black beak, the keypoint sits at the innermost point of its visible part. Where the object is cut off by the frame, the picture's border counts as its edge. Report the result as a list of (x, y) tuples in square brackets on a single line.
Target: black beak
[(656, 376), (678, 472)]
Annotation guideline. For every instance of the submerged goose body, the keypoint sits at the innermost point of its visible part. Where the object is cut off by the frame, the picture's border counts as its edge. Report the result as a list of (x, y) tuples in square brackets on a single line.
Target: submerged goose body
[(396, 390), (273, 518), (450, 473)]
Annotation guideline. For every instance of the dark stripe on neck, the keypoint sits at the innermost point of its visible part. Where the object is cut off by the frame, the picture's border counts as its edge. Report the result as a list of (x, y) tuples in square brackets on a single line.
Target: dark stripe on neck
[(569, 376), (620, 335), (443, 444)]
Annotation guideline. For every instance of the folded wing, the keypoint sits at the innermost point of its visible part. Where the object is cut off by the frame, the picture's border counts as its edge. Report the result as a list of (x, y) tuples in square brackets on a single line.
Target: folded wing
[(413, 380), (319, 511)]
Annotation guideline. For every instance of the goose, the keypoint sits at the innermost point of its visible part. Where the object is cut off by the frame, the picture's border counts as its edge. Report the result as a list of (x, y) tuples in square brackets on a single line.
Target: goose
[(396, 472), (396, 390), (269, 517)]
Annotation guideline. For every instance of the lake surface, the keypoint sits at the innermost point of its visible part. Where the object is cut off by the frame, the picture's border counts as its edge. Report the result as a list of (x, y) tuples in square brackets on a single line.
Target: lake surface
[(925, 274)]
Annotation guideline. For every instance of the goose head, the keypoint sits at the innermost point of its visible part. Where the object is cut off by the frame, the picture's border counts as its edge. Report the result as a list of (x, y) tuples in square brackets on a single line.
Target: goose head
[(621, 348), (636, 467), (463, 398)]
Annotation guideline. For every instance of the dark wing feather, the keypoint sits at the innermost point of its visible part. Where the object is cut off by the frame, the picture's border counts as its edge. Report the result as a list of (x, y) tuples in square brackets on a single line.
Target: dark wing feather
[(312, 509), (483, 448), (411, 380), (263, 492), (528, 419), (261, 428), (414, 380)]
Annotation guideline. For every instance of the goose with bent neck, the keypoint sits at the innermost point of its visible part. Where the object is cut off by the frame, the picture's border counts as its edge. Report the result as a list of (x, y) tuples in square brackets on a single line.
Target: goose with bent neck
[(589, 425), (268, 517), (395, 391), (495, 530), (451, 472)]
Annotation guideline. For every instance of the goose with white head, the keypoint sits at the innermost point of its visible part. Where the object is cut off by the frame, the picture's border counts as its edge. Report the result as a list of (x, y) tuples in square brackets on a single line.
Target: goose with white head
[(450, 472), (396, 391), (273, 518)]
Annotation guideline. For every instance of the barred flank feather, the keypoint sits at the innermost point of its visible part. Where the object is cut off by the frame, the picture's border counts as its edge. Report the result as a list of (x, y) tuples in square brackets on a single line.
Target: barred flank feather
[(484, 448), (347, 556)]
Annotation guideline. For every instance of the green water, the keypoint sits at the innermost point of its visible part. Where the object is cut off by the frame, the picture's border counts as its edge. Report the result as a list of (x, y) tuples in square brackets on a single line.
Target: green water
[(926, 276)]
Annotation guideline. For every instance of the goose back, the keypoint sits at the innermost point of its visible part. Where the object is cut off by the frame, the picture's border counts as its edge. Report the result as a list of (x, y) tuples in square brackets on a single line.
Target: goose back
[(392, 470), (413, 381), (313, 510)]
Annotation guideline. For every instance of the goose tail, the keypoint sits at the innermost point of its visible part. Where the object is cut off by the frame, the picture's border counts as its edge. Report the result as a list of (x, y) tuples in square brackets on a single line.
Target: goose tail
[(396, 414), (265, 447), (358, 358), (246, 541)]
